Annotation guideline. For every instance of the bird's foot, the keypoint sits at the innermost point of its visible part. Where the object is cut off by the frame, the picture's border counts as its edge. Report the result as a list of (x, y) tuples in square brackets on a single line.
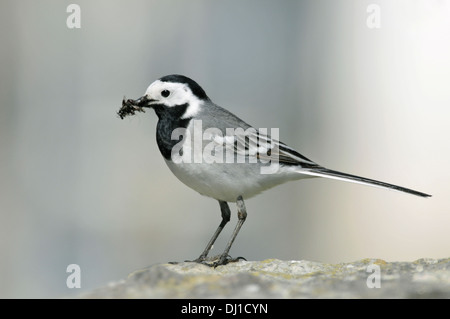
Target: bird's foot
[(200, 260), (226, 259), (219, 260)]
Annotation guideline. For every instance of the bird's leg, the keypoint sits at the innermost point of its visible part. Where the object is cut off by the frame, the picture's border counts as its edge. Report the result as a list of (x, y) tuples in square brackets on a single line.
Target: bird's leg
[(226, 214), (242, 215)]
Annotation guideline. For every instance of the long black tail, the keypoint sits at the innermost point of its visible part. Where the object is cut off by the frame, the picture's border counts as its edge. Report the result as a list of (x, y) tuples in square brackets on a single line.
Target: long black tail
[(328, 173)]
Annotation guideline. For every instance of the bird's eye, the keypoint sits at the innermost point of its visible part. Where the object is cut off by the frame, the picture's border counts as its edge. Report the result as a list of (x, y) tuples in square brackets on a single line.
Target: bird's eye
[(165, 93)]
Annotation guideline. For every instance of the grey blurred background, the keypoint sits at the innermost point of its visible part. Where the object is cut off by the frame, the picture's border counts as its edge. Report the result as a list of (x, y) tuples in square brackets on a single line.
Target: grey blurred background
[(79, 185)]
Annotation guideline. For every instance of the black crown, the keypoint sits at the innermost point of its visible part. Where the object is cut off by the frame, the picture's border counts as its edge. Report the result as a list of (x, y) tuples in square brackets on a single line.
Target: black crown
[(195, 88)]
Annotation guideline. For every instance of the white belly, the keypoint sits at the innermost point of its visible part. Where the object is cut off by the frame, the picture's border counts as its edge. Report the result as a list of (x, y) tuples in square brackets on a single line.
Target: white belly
[(226, 181)]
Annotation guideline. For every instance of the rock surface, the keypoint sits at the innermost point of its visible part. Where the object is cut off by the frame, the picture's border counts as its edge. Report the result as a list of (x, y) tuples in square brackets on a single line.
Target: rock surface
[(424, 278)]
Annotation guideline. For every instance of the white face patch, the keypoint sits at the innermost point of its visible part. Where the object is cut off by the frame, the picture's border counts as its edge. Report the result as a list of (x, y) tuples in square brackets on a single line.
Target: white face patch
[(172, 94)]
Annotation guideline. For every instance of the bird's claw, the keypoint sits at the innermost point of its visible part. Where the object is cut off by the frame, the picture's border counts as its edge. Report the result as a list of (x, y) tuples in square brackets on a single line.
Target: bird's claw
[(213, 262)]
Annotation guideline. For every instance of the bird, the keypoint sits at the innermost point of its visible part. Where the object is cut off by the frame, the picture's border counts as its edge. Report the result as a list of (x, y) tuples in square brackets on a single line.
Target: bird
[(219, 155)]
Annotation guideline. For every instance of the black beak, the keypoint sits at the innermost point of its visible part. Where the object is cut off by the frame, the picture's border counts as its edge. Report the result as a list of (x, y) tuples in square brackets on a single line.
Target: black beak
[(142, 101)]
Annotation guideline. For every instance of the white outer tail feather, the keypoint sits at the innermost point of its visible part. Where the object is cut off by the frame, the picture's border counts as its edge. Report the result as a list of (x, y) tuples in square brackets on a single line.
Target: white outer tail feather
[(327, 173)]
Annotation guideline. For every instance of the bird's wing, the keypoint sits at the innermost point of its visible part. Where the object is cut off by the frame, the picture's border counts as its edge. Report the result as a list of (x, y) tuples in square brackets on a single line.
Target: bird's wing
[(258, 145)]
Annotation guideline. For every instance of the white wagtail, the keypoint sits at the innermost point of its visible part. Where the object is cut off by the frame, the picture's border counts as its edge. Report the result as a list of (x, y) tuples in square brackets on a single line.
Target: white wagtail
[(180, 103)]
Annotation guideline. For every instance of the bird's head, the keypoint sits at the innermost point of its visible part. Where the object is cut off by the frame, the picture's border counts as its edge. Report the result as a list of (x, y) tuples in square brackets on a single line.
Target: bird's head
[(171, 91)]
